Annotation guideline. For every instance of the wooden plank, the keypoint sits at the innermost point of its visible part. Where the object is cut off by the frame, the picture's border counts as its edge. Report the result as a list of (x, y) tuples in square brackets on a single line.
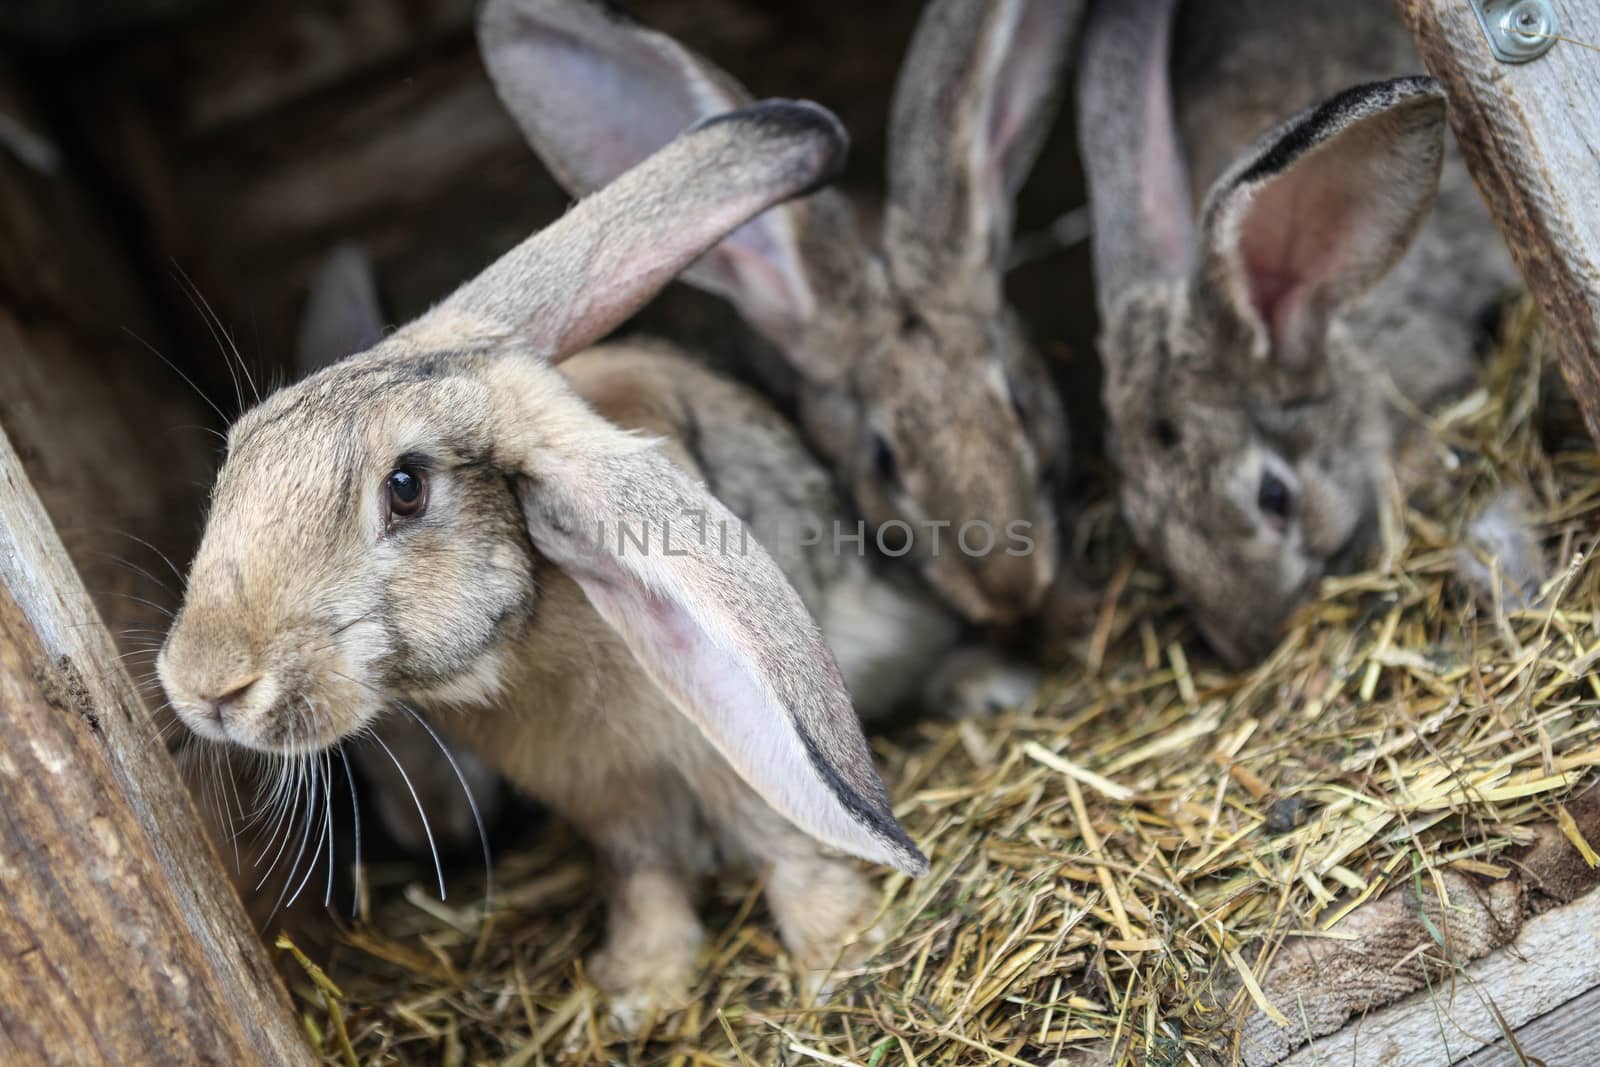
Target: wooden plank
[(1563, 1038), (121, 940), (1531, 136), (1551, 959)]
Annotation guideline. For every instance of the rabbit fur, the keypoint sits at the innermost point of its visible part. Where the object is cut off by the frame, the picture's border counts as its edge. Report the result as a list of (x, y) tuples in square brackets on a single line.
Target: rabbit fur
[(916, 383), (1280, 223), (671, 705)]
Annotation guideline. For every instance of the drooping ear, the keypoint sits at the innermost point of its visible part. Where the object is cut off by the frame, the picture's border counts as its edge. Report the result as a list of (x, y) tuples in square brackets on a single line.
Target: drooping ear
[(595, 92), (971, 109), (704, 610), (1317, 212), (1128, 140), (577, 279), (342, 314)]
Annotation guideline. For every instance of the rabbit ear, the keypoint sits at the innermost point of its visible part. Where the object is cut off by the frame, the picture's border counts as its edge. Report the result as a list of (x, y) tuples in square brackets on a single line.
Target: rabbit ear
[(1128, 139), (576, 280), (594, 92), (1317, 212), (342, 314), (971, 110), (705, 611)]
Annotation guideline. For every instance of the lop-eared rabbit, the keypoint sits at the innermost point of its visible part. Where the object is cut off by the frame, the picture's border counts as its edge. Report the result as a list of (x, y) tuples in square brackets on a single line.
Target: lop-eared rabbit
[(1280, 224), (432, 523)]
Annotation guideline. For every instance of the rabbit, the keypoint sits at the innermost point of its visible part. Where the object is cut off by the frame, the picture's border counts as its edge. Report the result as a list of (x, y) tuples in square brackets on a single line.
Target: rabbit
[(430, 522), (1246, 352), (915, 381), (419, 798)]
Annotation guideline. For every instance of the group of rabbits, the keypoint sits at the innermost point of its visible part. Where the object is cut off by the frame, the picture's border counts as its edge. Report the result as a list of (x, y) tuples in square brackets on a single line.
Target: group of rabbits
[(1279, 228)]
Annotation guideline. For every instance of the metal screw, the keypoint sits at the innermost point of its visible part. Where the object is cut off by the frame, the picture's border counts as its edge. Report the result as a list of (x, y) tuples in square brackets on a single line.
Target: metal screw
[(1518, 30)]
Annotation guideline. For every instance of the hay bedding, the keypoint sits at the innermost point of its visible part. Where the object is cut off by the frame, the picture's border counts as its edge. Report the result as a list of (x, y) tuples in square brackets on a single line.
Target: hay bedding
[(1159, 862)]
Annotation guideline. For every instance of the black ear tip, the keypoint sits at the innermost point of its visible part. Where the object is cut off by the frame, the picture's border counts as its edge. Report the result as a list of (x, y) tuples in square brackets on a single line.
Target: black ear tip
[(912, 862), (818, 127)]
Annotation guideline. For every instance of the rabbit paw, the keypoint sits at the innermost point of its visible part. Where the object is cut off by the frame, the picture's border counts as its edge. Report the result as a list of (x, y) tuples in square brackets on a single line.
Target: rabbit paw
[(823, 907)]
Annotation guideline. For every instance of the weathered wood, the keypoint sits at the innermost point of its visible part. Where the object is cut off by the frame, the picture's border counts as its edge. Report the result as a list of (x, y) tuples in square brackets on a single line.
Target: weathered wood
[(120, 938), (1531, 135), (1563, 1038), (1549, 961)]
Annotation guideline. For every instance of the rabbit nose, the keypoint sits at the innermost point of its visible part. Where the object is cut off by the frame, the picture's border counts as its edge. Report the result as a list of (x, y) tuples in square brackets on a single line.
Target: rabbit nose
[(1012, 586), (216, 708)]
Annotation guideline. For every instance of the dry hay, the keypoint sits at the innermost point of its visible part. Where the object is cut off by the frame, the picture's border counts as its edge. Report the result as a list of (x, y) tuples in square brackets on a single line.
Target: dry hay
[(1116, 871)]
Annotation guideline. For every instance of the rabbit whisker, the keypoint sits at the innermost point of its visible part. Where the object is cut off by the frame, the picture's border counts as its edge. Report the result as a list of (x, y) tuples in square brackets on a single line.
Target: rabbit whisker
[(472, 802), (438, 868), (355, 811)]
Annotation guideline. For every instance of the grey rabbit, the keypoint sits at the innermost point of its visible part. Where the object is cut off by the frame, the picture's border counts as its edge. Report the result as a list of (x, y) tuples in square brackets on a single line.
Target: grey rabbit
[(1338, 239), (916, 383)]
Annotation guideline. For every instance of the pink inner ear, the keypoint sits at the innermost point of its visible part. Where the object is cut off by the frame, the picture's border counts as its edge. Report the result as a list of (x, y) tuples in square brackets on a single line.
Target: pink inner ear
[(1163, 185), (1296, 238)]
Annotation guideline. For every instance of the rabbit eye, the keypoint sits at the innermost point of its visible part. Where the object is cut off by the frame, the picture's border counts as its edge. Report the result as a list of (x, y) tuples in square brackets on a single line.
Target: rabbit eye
[(1274, 498), (1166, 434), (883, 461), (407, 488)]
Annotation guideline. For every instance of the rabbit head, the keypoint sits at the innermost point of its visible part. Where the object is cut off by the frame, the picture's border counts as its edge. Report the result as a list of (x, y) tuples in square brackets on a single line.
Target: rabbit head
[(916, 383), (1246, 417), (378, 530)]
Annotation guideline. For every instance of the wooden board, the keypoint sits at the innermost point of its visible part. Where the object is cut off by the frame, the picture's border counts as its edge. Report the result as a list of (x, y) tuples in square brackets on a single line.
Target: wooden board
[(121, 940), (1531, 136), (1551, 959), (1563, 1038)]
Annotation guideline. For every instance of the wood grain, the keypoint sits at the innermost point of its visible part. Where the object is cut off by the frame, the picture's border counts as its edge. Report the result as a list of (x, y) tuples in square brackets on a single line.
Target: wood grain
[(1563, 1038), (1531, 136), (121, 941), (1549, 961)]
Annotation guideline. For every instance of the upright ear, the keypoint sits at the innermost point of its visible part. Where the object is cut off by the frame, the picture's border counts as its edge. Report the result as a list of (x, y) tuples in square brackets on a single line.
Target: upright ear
[(1128, 140), (1317, 212), (342, 314), (971, 110), (577, 279), (595, 92), (705, 611)]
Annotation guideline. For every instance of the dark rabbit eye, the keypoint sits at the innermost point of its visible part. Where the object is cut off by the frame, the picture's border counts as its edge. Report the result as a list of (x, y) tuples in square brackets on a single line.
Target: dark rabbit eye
[(407, 488), (1273, 498), (1166, 434), (883, 461)]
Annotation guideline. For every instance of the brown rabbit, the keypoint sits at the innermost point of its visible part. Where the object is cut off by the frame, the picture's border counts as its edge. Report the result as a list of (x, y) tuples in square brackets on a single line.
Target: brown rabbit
[(1245, 353), (916, 383), (434, 522)]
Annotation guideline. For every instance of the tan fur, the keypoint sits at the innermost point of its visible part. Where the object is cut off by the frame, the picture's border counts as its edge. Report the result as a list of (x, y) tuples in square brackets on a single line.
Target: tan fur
[(902, 342), (1213, 207), (663, 703)]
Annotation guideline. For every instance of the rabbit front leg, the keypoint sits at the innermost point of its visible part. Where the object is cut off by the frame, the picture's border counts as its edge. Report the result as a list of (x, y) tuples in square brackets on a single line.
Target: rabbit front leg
[(823, 903), (649, 856)]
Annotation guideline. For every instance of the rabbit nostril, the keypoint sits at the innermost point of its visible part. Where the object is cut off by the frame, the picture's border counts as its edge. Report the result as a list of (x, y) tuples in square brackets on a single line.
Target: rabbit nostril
[(217, 707)]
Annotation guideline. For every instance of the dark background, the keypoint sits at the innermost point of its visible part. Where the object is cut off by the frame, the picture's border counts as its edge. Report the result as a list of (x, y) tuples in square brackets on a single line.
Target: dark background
[(236, 142)]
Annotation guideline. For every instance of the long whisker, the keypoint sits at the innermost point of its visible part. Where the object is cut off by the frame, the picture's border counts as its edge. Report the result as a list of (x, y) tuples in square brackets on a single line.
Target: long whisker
[(438, 868), (305, 839), (179, 372), (195, 300), (327, 827), (327, 774), (355, 810), (472, 803)]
